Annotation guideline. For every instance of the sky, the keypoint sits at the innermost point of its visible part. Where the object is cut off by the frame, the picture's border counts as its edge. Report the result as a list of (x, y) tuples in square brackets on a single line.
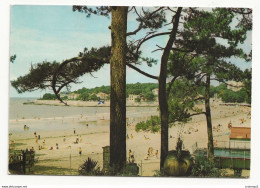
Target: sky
[(55, 33)]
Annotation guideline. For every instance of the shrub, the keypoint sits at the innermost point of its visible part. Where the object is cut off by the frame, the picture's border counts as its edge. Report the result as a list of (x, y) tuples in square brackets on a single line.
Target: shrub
[(90, 168), (152, 125), (205, 168)]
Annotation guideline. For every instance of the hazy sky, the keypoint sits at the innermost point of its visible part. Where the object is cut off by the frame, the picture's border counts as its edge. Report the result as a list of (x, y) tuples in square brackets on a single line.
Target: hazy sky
[(51, 33)]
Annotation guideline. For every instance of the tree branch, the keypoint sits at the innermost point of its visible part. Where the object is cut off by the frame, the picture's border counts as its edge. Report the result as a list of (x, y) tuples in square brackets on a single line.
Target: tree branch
[(152, 36), (195, 114), (137, 30), (142, 72)]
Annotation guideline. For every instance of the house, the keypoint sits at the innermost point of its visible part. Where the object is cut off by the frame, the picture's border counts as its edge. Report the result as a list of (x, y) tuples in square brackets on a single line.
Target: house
[(155, 91), (133, 97), (64, 94), (234, 86), (102, 96), (73, 96)]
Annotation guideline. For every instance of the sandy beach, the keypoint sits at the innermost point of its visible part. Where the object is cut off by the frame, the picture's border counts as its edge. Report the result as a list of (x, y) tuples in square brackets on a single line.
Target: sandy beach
[(59, 150)]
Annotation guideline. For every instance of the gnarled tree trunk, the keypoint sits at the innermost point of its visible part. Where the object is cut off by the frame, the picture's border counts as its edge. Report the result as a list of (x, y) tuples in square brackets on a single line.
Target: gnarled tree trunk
[(162, 90)]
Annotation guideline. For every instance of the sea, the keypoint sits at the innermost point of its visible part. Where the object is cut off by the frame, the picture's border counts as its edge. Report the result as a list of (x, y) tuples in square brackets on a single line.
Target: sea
[(23, 112)]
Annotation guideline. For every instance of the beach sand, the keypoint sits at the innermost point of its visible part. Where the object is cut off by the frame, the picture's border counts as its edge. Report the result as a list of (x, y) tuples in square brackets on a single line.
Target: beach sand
[(66, 160)]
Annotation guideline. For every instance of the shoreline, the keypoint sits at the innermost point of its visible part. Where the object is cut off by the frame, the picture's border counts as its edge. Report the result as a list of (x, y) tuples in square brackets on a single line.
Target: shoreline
[(74, 103)]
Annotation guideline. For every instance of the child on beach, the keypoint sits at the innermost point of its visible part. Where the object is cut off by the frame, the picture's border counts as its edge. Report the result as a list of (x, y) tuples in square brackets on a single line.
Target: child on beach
[(80, 151)]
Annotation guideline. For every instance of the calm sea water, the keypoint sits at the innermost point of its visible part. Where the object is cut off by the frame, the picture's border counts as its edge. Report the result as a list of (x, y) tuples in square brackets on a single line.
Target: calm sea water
[(18, 110), (40, 117)]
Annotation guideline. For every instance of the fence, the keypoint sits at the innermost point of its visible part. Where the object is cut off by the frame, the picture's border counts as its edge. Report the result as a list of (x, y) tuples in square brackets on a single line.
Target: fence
[(232, 144), (22, 161)]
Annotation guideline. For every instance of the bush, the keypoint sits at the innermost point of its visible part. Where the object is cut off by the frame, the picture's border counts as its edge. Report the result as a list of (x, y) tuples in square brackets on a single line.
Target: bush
[(205, 168), (48, 96), (152, 125)]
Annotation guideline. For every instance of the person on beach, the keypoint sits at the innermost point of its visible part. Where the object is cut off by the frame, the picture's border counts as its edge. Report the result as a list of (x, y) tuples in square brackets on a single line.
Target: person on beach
[(132, 158), (146, 157), (156, 154), (129, 155), (64, 139), (74, 131), (151, 151), (131, 136), (80, 139), (39, 137), (80, 151), (146, 137), (230, 125), (127, 137)]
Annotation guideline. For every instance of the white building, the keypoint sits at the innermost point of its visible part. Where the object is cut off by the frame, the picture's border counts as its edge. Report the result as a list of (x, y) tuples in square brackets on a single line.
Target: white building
[(73, 96), (102, 96), (234, 86)]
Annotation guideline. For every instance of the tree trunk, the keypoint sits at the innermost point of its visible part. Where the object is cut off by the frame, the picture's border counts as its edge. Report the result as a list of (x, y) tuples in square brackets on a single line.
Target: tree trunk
[(118, 88), (162, 90), (208, 118)]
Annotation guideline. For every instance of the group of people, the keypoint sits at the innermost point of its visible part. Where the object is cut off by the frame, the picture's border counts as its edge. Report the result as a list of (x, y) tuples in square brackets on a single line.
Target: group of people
[(131, 136), (37, 137), (151, 154), (78, 140), (26, 128)]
